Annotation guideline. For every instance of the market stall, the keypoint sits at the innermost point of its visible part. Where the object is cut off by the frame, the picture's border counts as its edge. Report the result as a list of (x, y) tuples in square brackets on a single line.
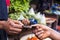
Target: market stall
[(23, 12)]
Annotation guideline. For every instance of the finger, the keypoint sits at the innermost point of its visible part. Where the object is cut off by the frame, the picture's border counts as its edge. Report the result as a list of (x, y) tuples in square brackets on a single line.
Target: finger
[(26, 21), (39, 25), (40, 36), (34, 31), (37, 30), (21, 23), (16, 22), (17, 26), (12, 32), (15, 29), (38, 33), (11, 23), (45, 35), (36, 25)]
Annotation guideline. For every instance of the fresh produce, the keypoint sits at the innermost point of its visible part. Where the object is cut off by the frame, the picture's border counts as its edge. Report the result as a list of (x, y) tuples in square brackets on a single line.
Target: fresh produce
[(19, 11), (32, 17), (33, 38), (18, 6)]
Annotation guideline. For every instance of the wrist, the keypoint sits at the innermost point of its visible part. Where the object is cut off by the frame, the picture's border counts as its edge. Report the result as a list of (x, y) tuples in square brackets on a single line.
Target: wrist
[(1, 27), (53, 34), (50, 31), (2, 24)]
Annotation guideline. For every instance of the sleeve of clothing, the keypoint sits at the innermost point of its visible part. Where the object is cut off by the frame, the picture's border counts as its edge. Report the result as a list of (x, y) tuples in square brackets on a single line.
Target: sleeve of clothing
[(3, 10), (3, 35), (8, 2)]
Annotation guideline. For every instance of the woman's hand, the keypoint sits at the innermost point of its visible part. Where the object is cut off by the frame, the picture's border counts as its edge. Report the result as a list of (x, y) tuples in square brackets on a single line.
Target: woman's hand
[(13, 26), (41, 31)]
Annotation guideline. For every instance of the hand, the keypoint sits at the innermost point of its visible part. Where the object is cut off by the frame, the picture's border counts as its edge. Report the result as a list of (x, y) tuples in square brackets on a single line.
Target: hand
[(41, 31), (13, 26), (25, 21)]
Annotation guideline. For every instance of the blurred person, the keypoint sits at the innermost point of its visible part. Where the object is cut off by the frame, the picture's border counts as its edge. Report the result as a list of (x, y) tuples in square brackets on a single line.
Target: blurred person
[(7, 25), (44, 5), (41, 5), (43, 32), (34, 4)]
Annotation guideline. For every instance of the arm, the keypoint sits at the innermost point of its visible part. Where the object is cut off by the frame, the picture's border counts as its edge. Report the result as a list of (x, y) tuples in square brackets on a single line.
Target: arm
[(54, 34), (3, 13), (44, 32), (8, 25), (3, 10), (1, 24)]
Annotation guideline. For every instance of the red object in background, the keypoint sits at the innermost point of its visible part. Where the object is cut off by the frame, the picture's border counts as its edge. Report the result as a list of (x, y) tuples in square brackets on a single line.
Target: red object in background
[(58, 27), (8, 2)]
